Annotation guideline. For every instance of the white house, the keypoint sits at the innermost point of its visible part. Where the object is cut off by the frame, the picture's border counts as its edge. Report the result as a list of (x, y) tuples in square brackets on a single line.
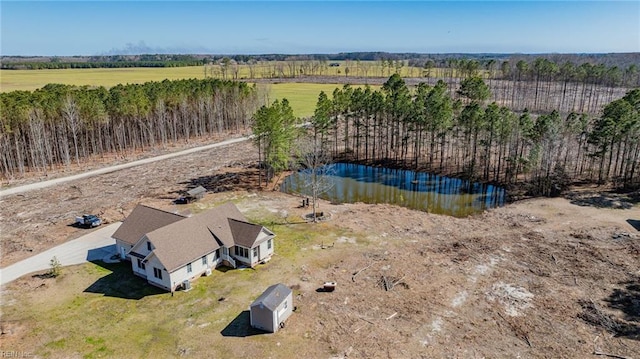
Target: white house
[(190, 247), (269, 311)]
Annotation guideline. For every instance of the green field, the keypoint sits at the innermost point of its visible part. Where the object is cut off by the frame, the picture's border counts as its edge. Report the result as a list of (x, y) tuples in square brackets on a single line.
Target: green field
[(301, 96)]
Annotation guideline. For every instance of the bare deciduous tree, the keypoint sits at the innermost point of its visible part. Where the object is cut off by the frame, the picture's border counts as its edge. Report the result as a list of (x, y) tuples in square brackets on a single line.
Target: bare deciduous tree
[(70, 114), (317, 169)]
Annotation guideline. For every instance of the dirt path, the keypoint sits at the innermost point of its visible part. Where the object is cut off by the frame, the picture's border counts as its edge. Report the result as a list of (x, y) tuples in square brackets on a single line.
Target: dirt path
[(109, 169)]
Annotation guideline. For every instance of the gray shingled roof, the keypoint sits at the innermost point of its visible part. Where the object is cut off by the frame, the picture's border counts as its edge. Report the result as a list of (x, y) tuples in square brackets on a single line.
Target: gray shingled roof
[(217, 220), (273, 296), (182, 242), (244, 233), (143, 220), (185, 241)]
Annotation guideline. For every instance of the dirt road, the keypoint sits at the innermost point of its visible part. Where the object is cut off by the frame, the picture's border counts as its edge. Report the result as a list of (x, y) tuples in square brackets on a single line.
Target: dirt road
[(109, 169)]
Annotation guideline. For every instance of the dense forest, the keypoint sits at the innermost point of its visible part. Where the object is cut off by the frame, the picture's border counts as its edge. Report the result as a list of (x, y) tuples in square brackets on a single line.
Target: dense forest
[(61, 124), (427, 129)]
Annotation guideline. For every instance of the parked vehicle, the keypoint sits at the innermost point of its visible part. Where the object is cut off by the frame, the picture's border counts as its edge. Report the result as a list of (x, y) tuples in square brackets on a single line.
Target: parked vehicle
[(182, 200), (88, 221)]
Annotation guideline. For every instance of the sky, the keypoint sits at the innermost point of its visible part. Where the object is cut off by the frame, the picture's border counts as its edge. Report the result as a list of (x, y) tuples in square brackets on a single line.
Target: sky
[(65, 28)]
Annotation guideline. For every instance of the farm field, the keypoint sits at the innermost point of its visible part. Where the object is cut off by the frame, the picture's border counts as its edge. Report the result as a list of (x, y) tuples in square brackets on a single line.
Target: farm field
[(538, 278), (301, 96), (12, 80)]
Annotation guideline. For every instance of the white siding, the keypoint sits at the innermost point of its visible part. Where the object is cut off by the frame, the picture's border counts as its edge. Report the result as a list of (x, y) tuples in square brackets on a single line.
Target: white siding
[(197, 269), (136, 268), (165, 282), (262, 236), (254, 260), (282, 313), (141, 247), (264, 253), (120, 246)]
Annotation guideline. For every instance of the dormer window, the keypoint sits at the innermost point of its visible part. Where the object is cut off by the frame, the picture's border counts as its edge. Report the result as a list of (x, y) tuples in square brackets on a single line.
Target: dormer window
[(148, 246)]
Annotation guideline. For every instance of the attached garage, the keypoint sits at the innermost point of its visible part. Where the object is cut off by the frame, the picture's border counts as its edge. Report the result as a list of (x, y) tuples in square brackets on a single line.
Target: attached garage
[(272, 308)]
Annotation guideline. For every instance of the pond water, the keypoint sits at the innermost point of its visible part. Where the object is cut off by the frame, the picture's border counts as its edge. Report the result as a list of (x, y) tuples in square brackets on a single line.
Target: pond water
[(351, 183)]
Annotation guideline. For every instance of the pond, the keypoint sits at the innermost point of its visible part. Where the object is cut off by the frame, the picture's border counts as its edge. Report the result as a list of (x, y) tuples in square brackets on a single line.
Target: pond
[(351, 183)]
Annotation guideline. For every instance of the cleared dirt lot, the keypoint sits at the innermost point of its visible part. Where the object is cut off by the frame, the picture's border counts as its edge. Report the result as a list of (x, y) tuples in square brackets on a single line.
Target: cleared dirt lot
[(538, 278)]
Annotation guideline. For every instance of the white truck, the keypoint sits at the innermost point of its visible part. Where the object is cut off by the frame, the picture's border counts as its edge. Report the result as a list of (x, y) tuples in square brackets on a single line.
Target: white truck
[(88, 221)]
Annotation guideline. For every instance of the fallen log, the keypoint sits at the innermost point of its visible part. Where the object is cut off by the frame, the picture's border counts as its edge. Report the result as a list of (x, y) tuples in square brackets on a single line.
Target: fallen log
[(353, 276), (610, 355)]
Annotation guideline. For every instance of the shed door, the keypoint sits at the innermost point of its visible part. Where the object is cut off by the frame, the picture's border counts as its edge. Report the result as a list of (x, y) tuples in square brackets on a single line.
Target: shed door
[(281, 311)]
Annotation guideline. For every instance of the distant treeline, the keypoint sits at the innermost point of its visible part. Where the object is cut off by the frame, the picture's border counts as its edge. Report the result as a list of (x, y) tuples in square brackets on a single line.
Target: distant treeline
[(62, 124), (90, 62), (620, 60), (95, 65)]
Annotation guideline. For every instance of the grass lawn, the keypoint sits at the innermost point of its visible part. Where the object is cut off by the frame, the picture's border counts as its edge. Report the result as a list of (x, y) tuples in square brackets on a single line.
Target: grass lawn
[(100, 310)]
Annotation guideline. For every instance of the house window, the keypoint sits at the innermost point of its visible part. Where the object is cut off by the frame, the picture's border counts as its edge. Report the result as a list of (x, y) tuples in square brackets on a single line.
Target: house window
[(148, 245), (242, 252), (255, 252), (140, 264), (189, 268), (204, 260), (269, 244), (157, 272)]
